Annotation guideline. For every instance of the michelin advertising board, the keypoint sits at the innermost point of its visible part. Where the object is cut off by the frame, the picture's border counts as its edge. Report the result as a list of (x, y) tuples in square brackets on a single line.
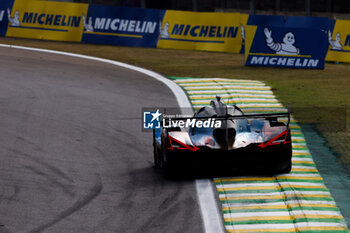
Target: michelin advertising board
[(303, 48), (339, 42), (244, 20), (46, 20), (201, 31), (5, 16), (220, 32), (122, 26)]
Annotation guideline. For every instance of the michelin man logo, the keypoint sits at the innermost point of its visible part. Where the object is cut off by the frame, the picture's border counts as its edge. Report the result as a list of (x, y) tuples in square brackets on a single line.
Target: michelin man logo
[(15, 20), (335, 44), (164, 32), (242, 33), (88, 26), (285, 48)]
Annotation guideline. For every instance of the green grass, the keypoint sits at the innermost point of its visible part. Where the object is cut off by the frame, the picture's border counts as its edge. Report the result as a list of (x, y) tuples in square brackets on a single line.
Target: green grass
[(308, 92)]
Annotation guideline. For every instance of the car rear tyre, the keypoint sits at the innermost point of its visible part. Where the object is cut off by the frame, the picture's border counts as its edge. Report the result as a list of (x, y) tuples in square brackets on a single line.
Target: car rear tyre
[(156, 152), (287, 169), (167, 165)]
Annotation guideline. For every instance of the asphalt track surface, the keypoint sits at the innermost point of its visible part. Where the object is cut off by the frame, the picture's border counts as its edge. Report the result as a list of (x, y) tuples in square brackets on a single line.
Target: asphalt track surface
[(72, 154)]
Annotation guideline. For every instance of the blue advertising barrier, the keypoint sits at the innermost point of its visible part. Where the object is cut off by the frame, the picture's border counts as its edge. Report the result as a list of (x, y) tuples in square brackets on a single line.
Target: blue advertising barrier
[(5, 15), (310, 22), (286, 47), (122, 26), (271, 20)]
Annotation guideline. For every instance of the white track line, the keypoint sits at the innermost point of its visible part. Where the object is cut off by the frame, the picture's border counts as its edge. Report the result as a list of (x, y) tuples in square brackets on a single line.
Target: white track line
[(212, 220), (209, 210)]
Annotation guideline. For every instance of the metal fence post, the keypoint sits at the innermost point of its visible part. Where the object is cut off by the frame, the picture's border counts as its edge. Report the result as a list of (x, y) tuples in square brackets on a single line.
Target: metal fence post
[(252, 7), (308, 7), (194, 5)]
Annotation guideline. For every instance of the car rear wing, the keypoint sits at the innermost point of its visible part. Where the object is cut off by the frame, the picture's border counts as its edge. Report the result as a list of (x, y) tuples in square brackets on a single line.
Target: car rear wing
[(266, 116)]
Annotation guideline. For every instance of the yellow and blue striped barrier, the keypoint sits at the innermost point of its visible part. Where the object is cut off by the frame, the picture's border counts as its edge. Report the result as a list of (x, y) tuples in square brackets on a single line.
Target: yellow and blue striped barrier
[(214, 31), (339, 42), (46, 20), (5, 10), (201, 31)]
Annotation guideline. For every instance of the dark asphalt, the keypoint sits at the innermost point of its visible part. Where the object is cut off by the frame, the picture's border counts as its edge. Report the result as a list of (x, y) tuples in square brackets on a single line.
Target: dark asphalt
[(72, 154)]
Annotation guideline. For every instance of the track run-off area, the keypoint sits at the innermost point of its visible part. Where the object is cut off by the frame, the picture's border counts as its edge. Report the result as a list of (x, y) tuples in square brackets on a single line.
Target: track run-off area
[(294, 202), (74, 159)]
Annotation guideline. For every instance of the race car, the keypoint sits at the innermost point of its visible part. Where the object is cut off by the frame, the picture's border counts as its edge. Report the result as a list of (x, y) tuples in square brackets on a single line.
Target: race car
[(222, 137)]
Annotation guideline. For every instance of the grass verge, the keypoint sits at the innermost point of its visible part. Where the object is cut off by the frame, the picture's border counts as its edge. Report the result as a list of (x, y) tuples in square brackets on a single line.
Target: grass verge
[(319, 97)]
